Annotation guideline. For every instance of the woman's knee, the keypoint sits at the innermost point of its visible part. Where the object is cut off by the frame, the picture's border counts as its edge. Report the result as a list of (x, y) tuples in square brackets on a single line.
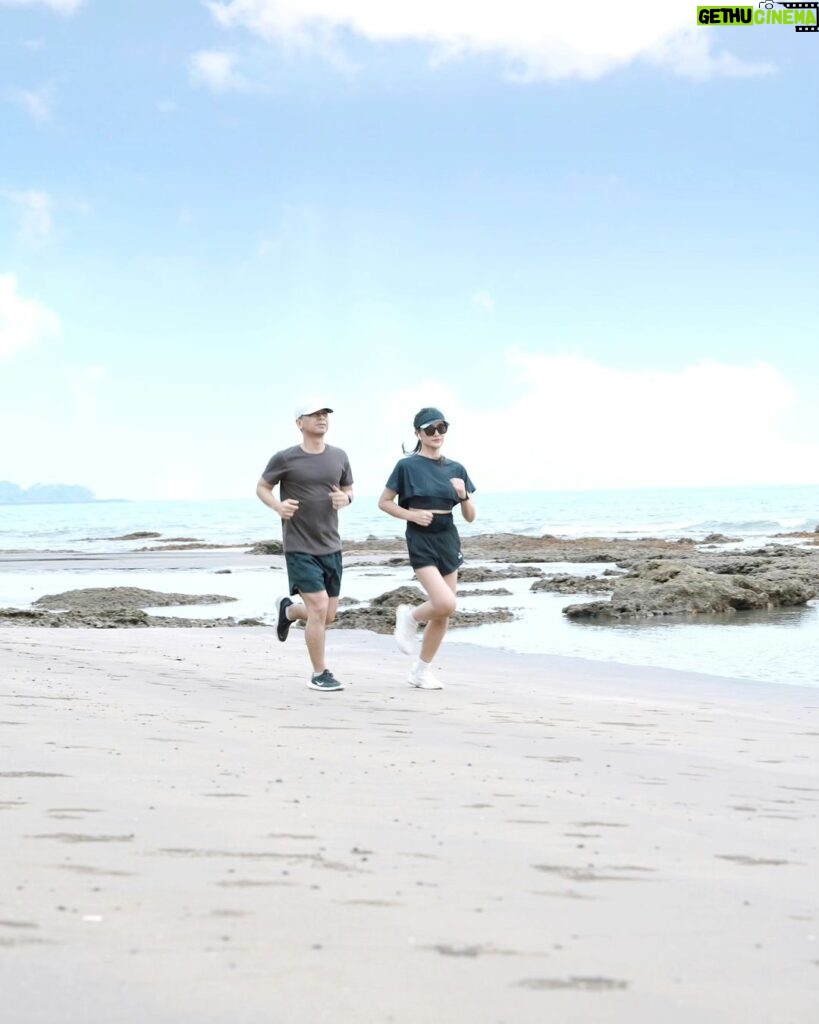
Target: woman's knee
[(443, 606)]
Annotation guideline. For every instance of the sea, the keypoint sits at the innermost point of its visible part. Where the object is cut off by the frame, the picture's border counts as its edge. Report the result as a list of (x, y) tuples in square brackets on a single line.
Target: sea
[(771, 647)]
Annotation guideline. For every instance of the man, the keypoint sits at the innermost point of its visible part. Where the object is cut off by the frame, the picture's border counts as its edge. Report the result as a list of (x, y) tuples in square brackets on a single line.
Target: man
[(314, 481)]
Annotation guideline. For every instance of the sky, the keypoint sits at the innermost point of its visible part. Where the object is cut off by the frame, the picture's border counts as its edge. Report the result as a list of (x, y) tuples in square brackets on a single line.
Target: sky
[(588, 233)]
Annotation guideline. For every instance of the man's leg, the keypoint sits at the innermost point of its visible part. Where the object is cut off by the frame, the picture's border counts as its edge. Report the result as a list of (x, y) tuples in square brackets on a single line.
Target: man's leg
[(315, 609)]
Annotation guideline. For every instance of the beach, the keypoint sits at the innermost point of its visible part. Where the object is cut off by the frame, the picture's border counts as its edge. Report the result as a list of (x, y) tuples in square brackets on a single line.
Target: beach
[(191, 834)]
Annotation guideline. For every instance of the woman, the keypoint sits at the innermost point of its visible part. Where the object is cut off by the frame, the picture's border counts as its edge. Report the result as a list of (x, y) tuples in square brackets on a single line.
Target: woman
[(428, 487)]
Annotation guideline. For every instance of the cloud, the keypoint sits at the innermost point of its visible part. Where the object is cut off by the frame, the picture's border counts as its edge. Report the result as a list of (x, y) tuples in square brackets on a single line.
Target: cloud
[(37, 103), (23, 322), (34, 209), (537, 41), (577, 424), (59, 6), (216, 69)]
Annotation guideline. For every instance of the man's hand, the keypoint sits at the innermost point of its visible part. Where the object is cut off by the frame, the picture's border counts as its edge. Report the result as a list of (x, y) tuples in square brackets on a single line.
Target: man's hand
[(288, 508), (339, 498), (460, 487), (420, 516)]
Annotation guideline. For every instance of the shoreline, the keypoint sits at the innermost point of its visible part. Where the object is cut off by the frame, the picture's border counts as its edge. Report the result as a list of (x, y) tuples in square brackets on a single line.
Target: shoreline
[(773, 646), (190, 833)]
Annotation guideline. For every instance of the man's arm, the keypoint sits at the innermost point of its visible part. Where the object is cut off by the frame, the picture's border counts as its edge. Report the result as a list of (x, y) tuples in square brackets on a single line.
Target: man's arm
[(341, 497), (264, 492)]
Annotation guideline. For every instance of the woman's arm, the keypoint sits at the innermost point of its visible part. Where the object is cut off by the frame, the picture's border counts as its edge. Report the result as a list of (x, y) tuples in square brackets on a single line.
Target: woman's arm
[(468, 509), (419, 516)]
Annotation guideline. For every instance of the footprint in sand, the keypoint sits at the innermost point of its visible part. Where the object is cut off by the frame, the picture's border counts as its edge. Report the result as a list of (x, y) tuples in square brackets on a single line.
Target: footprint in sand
[(580, 984), (739, 858)]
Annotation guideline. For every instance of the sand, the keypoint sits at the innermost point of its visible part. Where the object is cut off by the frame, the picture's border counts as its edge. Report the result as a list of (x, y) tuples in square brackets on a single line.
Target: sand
[(189, 834)]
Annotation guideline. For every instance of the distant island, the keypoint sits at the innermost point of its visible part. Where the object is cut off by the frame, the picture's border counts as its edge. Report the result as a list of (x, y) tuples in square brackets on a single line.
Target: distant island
[(42, 494)]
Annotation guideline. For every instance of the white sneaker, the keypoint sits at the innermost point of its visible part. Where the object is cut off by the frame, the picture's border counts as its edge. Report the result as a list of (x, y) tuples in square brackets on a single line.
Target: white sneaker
[(423, 679), (406, 629)]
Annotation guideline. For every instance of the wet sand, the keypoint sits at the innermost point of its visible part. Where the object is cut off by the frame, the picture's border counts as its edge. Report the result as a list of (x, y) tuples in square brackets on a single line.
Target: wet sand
[(191, 834)]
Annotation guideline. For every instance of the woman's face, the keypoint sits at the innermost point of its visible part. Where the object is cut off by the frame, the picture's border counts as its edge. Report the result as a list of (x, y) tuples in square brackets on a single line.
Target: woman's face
[(432, 436)]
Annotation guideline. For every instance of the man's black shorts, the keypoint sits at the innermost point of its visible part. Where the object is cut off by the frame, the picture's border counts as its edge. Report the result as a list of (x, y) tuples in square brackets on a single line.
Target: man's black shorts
[(437, 544), (309, 574)]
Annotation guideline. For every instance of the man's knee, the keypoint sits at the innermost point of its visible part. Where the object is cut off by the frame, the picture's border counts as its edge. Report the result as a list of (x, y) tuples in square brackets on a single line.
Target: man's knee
[(317, 605)]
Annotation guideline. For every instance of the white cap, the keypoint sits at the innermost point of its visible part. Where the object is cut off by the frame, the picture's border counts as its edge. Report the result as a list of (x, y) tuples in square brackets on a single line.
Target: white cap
[(309, 406)]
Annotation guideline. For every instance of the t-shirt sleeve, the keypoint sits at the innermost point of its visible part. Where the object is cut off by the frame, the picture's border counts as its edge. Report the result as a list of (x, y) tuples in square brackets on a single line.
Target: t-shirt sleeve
[(346, 474), (275, 469), (470, 487), (396, 478)]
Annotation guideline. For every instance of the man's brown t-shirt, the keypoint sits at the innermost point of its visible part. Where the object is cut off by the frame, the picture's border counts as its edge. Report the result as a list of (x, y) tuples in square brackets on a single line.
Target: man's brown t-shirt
[(308, 477)]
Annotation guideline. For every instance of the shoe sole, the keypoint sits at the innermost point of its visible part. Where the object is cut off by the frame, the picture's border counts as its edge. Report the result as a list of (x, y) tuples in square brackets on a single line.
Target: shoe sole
[(325, 689), (280, 629), (405, 646)]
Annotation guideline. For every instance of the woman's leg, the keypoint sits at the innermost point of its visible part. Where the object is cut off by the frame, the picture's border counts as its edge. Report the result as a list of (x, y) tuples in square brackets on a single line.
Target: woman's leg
[(437, 609)]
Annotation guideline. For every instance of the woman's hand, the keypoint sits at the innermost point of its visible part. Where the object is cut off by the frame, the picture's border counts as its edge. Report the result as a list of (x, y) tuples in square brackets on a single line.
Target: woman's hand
[(420, 516), (459, 486)]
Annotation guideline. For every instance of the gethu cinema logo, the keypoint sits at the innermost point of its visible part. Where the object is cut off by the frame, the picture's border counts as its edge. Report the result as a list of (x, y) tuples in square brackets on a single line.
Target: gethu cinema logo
[(801, 15)]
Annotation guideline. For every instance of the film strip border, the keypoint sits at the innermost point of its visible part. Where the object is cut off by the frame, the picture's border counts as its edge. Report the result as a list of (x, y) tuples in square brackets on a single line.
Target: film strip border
[(801, 7)]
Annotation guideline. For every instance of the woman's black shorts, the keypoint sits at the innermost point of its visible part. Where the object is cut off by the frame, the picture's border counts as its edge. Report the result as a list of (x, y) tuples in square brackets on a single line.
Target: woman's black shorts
[(437, 544)]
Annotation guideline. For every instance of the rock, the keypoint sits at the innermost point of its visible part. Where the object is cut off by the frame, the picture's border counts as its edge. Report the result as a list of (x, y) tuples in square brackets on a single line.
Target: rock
[(111, 618), (719, 538), (104, 599), (382, 619), (401, 595), (267, 547), (139, 535), (193, 546), (379, 615), (492, 592), (561, 583), (463, 620), (676, 588), (479, 574)]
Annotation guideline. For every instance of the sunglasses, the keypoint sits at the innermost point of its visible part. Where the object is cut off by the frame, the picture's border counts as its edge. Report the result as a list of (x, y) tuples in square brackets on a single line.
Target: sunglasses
[(441, 428)]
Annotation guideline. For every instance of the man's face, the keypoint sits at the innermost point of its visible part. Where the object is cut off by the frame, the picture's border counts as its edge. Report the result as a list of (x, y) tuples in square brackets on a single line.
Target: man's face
[(314, 423)]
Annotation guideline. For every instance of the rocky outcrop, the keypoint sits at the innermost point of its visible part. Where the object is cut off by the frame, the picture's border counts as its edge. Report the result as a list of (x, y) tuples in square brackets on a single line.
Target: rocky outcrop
[(480, 574), (379, 615), (115, 608), (658, 588), (562, 583), (97, 599), (267, 547), (490, 592), (137, 535)]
